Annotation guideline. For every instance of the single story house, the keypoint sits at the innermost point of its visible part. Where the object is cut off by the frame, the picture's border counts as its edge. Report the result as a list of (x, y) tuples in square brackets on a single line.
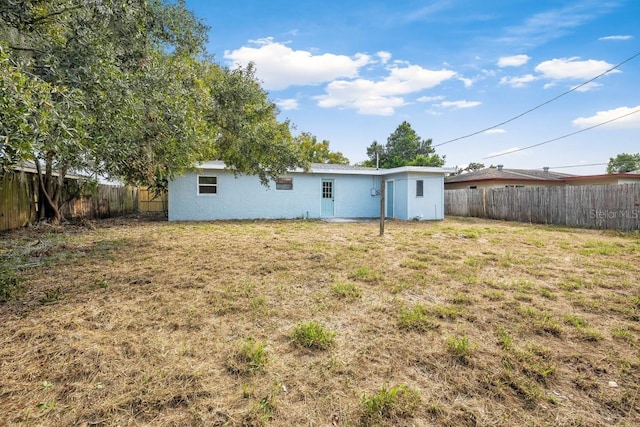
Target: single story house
[(326, 190), (500, 177)]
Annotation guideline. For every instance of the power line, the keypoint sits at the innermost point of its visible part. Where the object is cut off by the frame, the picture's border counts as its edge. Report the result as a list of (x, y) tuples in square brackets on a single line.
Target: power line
[(578, 166), (563, 136), (540, 105)]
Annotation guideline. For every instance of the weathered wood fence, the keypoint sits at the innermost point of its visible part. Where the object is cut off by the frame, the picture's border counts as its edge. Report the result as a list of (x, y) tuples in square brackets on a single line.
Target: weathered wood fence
[(586, 206), (19, 201), (148, 201)]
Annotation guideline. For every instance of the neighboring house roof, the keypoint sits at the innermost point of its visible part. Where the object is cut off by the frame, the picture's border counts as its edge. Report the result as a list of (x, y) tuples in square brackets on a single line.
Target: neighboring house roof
[(520, 175), (501, 174), (630, 175), (30, 167), (345, 169)]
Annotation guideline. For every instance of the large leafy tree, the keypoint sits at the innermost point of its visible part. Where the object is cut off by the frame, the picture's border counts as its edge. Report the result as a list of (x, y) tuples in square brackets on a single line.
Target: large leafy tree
[(124, 88), (624, 163), (404, 147), (318, 152)]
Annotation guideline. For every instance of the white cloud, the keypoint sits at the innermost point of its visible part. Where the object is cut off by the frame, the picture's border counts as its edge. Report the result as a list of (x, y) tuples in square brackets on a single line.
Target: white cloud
[(459, 104), (518, 81), (616, 38), (287, 104), (495, 131), (466, 81), (383, 96), (513, 61), (572, 68), (631, 121), (430, 98), (278, 66), (554, 23), (384, 56)]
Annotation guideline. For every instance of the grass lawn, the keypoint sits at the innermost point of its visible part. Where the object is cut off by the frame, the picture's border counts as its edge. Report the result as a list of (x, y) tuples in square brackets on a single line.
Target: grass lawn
[(462, 322)]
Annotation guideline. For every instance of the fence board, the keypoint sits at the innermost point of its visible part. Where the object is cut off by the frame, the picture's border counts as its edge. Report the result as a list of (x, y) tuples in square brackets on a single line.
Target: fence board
[(614, 207), (149, 202), (17, 207), (19, 201)]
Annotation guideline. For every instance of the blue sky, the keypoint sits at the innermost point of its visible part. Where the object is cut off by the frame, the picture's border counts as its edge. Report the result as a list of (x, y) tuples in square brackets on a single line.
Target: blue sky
[(350, 72)]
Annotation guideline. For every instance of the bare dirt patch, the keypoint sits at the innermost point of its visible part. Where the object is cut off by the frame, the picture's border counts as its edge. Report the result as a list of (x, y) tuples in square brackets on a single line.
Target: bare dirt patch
[(454, 323)]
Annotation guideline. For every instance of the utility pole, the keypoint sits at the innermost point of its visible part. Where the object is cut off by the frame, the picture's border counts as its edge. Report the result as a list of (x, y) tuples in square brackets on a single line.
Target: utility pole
[(382, 191)]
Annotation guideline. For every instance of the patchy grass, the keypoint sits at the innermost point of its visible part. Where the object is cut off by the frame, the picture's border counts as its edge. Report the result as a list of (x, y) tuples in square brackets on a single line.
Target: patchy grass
[(313, 334), (389, 404), (136, 322)]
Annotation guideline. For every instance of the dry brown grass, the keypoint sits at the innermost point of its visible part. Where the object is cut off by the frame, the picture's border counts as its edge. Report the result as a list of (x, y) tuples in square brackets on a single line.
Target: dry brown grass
[(133, 322)]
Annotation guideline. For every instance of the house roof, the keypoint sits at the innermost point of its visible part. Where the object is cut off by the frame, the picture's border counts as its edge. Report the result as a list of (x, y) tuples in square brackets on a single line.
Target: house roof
[(501, 174), (329, 168)]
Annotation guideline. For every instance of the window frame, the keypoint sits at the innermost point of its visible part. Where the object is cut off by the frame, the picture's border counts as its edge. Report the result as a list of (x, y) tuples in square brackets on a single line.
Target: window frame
[(420, 187), (284, 183), (200, 185)]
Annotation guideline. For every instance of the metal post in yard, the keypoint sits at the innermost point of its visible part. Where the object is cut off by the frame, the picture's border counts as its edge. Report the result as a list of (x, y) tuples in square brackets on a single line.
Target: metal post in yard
[(382, 191)]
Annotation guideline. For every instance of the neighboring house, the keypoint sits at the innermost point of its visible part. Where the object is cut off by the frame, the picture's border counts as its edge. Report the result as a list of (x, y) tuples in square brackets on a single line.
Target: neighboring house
[(501, 177), (325, 191), (604, 179)]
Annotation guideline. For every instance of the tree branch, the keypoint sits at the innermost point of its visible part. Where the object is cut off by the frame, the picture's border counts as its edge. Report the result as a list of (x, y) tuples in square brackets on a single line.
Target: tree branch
[(52, 14), (26, 49)]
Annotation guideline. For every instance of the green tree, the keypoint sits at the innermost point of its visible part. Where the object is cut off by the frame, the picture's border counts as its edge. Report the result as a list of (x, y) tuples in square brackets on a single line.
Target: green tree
[(404, 148), (318, 152), (624, 163), (472, 167), (125, 88), (250, 139)]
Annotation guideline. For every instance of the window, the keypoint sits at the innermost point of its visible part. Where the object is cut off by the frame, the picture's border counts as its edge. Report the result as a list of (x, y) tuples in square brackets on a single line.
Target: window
[(473, 187), (207, 185), (284, 184), (419, 188)]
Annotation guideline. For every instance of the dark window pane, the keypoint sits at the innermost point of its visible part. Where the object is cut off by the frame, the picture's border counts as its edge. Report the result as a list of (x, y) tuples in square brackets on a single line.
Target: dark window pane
[(206, 189), (284, 184), (419, 188), (210, 180)]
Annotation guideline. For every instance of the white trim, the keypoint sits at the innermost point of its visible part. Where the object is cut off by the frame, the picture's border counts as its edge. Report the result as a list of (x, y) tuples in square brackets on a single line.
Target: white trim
[(344, 170), (216, 185)]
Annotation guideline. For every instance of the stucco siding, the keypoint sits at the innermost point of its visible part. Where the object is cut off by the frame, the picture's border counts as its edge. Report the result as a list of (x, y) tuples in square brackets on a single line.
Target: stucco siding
[(353, 197), (243, 197), (431, 205), (408, 206)]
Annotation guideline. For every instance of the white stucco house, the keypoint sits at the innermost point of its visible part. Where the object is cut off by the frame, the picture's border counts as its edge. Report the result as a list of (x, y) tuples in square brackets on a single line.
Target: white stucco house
[(326, 190)]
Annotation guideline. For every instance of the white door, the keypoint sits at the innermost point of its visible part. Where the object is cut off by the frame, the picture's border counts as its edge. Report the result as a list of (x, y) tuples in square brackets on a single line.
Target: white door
[(327, 208)]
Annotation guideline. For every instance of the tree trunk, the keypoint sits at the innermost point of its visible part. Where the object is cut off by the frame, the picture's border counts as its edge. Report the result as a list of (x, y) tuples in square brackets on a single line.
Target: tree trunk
[(49, 209)]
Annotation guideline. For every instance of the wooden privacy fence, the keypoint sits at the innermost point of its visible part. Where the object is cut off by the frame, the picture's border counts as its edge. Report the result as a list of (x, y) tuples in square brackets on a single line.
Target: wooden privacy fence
[(106, 202), (148, 201), (614, 207), (19, 201)]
